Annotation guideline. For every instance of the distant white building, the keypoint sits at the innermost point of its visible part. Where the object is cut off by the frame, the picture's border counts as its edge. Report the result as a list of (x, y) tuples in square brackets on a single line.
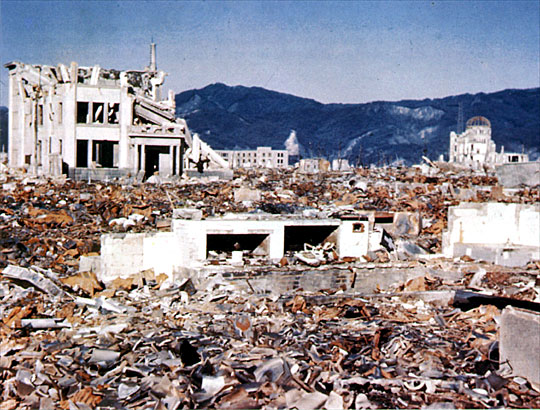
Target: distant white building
[(262, 157), (341, 164), (475, 148), (313, 165)]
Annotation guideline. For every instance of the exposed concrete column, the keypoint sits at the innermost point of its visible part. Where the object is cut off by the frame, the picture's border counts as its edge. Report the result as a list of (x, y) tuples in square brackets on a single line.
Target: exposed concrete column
[(181, 156), (153, 59), (135, 157), (171, 160), (276, 242), (89, 153), (69, 120), (16, 142), (143, 157), (126, 119)]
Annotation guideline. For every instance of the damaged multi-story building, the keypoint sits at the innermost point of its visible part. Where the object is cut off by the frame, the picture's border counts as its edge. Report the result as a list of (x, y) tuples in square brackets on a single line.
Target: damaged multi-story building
[(474, 148), (92, 122), (262, 157)]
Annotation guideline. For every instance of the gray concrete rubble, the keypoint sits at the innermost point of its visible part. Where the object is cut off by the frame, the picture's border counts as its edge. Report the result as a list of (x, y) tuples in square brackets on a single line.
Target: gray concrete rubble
[(377, 288), (520, 342)]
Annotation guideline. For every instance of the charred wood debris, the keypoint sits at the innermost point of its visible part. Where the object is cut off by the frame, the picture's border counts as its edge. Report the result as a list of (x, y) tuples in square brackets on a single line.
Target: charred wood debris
[(70, 342)]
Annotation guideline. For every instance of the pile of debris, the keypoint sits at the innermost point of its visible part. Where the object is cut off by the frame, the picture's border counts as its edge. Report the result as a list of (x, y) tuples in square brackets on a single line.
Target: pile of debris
[(141, 346), (236, 338)]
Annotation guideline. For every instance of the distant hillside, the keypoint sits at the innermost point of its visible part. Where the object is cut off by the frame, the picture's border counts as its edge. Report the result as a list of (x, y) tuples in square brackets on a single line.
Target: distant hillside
[(377, 132)]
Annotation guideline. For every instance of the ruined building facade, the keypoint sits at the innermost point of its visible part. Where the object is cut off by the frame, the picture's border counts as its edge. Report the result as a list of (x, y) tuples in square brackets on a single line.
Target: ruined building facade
[(93, 122), (262, 157), (475, 148)]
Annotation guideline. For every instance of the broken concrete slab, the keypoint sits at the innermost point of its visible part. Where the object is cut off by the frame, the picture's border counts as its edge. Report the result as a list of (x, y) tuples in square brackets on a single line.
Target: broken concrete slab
[(246, 194), (33, 277), (520, 341)]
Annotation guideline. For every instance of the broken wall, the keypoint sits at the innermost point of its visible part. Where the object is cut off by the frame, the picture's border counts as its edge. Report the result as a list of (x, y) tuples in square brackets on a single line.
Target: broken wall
[(123, 255), (493, 232)]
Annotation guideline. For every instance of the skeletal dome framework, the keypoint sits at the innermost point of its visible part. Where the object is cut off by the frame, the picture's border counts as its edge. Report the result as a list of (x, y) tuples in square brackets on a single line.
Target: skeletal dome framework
[(478, 121)]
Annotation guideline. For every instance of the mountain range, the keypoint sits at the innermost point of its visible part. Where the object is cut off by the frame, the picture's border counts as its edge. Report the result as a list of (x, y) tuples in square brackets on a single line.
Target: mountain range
[(380, 132), (377, 132)]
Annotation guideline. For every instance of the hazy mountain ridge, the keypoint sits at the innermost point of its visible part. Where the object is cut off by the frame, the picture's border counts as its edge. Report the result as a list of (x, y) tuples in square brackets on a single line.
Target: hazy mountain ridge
[(247, 117)]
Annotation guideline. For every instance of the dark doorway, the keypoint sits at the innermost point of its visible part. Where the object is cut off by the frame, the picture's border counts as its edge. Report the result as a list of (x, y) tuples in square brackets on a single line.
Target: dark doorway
[(82, 154), (152, 159), (297, 235), (103, 153)]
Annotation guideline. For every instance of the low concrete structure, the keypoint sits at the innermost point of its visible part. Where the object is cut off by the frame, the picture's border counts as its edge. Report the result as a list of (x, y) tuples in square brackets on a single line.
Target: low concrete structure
[(520, 343), (341, 164), (313, 165), (505, 234), (190, 241)]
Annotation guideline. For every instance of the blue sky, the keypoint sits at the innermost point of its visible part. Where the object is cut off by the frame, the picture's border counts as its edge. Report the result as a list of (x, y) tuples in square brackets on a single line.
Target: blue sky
[(352, 51)]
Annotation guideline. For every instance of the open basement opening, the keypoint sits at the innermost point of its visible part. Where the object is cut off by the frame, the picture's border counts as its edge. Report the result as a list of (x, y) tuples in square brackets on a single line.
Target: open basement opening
[(298, 235), (236, 242)]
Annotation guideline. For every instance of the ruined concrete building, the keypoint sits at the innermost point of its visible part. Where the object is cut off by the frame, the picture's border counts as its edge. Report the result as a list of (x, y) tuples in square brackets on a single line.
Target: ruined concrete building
[(99, 123), (475, 148), (262, 157)]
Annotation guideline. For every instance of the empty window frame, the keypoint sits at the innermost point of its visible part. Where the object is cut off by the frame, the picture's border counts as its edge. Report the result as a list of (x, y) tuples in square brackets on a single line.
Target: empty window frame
[(82, 112), (82, 154), (98, 115), (113, 113)]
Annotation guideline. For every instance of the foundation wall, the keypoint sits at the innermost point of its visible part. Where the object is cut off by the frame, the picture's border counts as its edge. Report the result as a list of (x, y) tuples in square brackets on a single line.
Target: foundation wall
[(123, 255), (493, 227)]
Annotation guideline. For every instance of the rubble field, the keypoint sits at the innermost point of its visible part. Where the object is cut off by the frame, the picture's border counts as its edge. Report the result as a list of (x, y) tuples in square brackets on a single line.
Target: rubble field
[(431, 340)]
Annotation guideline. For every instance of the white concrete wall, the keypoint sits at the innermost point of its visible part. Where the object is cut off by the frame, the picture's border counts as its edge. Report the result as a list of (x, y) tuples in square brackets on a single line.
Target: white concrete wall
[(492, 224), (123, 255), (98, 132), (519, 342), (160, 252), (353, 239), (98, 93)]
